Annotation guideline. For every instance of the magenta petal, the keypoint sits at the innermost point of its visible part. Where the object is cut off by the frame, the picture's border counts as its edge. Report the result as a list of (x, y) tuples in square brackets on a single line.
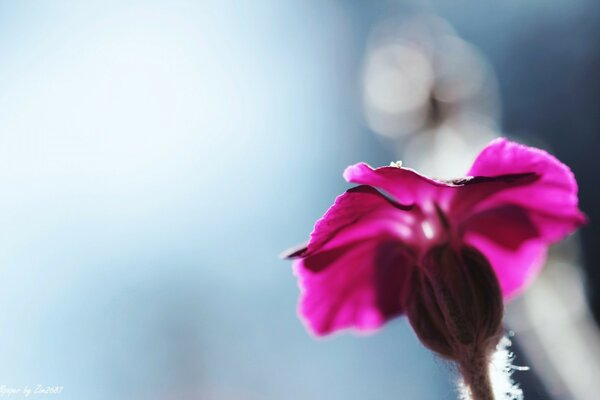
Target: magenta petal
[(359, 286), (515, 269), (475, 190), (353, 270), (405, 185), (508, 226), (360, 213), (511, 242), (515, 226), (555, 192)]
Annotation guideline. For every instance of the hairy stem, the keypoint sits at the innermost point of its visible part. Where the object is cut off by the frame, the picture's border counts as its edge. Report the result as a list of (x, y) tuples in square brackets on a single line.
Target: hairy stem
[(475, 371)]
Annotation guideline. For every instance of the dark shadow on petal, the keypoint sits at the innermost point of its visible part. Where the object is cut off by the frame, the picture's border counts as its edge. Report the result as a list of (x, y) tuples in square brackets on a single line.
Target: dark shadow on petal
[(471, 191), (527, 177), (394, 262), (320, 260), (352, 207), (371, 190), (508, 225)]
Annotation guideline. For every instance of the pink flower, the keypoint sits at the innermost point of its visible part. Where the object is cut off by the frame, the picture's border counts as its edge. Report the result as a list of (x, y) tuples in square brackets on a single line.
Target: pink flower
[(368, 254)]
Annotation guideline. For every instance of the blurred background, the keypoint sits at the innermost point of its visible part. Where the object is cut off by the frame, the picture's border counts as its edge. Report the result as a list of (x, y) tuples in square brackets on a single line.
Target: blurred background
[(157, 156)]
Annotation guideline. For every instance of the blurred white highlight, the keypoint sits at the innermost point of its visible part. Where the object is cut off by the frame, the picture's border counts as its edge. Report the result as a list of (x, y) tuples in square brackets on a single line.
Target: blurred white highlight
[(427, 229), (429, 92)]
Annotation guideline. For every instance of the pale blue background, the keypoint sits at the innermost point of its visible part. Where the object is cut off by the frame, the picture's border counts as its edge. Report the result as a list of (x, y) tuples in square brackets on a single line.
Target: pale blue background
[(155, 158)]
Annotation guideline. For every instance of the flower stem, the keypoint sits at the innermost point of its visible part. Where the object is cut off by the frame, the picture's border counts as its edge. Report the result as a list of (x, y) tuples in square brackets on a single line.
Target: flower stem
[(477, 378)]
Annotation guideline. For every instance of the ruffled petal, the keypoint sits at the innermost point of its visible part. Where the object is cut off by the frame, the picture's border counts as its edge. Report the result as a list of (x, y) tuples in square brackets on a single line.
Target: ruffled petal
[(553, 194), (514, 227), (405, 185), (353, 270), (358, 214), (456, 196), (358, 286), (474, 190)]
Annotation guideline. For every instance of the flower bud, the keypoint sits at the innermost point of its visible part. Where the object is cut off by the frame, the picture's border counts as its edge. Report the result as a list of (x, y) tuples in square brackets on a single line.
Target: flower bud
[(455, 306)]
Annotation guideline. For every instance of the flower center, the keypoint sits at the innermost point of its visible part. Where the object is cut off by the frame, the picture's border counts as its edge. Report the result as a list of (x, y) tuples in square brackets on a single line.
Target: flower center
[(433, 225), (427, 228)]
